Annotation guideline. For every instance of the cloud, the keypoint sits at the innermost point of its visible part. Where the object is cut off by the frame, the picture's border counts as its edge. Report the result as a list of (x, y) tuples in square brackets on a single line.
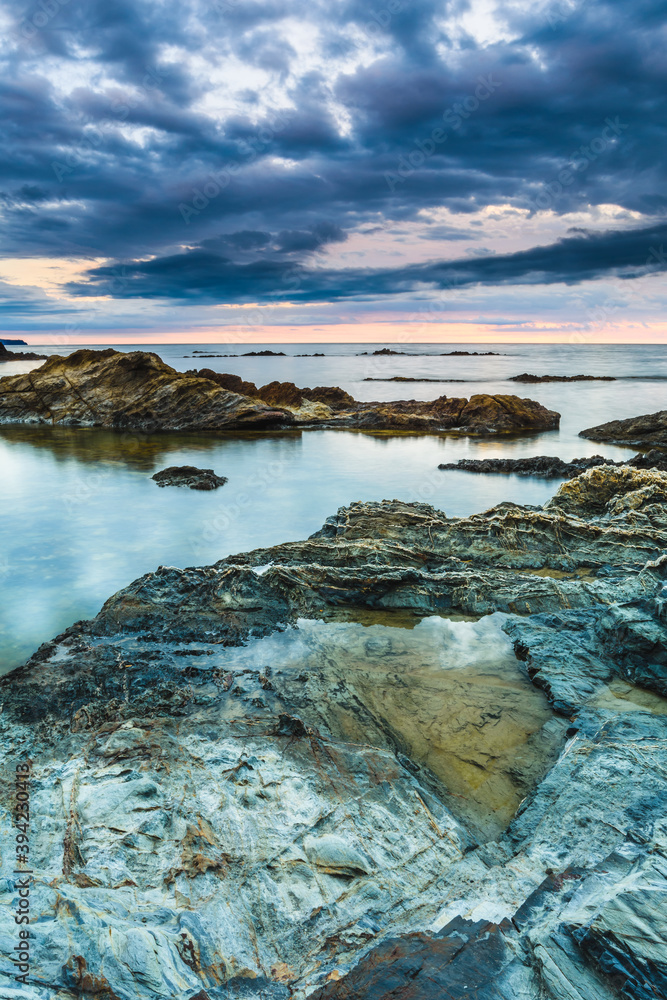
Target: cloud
[(320, 119), (205, 276)]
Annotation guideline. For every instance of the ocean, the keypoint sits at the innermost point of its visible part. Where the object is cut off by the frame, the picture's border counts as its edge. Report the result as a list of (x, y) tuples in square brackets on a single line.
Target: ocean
[(82, 518)]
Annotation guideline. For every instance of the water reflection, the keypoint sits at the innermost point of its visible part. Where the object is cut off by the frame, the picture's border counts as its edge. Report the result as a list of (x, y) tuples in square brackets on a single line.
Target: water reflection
[(131, 448), (448, 693)]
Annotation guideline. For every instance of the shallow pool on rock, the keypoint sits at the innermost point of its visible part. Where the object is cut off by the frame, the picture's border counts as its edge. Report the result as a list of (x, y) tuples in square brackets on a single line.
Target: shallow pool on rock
[(449, 695)]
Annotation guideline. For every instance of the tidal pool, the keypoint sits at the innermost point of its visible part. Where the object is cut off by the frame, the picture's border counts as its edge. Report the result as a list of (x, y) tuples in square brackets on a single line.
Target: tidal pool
[(450, 695)]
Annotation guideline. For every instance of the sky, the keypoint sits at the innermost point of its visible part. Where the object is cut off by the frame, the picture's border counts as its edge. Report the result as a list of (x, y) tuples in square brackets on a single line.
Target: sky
[(296, 170)]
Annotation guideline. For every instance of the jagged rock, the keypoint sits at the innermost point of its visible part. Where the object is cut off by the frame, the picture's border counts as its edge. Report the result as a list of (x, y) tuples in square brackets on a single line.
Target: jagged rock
[(281, 393), (135, 390), (189, 475), (6, 355), (551, 467), (216, 819), (640, 432), (139, 391), (232, 382), (532, 379), (465, 959)]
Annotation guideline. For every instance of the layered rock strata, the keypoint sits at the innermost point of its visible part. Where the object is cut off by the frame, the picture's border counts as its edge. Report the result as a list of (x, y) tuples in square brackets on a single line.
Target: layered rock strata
[(138, 391), (210, 821)]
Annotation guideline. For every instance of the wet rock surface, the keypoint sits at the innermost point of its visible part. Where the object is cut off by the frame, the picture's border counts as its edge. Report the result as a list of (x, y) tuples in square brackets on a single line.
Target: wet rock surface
[(551, 467), (189, 475), (645, 431), (139, 391), (231, 803)]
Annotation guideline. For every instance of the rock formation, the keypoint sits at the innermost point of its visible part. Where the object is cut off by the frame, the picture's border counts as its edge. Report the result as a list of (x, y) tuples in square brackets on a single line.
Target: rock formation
[(189, 475), (387, 352), (331, 406), (531, 379), (138, 391), (238, 792), (646, 431), (135, 391), (6, 355), (551, 467), (406, 378)]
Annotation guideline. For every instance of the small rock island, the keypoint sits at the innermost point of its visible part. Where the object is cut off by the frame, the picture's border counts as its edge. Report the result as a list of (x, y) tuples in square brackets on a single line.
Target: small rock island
[(189, 475)]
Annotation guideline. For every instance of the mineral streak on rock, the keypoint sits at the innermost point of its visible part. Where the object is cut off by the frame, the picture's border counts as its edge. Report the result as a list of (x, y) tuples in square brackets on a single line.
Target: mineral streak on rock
[(189, 475), (215, 820), (640, 432), (550, 467), (532, 379), (139, 391)]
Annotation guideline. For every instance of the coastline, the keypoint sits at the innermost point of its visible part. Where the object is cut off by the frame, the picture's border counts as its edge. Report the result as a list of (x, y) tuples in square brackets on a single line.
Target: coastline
[(131, 701)]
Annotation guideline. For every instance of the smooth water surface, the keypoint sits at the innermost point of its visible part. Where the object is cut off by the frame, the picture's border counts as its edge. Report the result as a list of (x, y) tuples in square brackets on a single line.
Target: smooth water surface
[(81, 516)]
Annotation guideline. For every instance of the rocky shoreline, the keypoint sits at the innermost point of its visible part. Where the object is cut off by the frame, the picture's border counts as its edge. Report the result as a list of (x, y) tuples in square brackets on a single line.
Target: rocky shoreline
[(646, 431), (6, 355), (552, 467), (216, 822), (138, 391)]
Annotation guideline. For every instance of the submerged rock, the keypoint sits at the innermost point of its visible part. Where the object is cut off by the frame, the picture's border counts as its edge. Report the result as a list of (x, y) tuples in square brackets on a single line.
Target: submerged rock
[(189, 475), (640, 432), (139, 391), (219, 816)]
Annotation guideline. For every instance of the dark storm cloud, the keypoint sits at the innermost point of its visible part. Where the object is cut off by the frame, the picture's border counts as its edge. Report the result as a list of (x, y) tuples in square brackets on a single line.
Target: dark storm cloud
[(206, 276), (102, 168)]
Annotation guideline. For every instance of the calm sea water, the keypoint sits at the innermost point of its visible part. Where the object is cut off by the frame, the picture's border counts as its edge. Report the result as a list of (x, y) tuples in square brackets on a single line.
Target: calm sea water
[(81, 516)]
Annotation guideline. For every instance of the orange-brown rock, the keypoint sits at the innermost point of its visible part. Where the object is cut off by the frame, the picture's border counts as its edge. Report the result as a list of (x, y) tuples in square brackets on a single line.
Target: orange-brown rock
[(139, 391)]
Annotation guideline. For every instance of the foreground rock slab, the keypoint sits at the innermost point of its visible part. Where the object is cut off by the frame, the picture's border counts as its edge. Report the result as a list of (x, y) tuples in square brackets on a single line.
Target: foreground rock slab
[(138, 391), (213, 821)]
